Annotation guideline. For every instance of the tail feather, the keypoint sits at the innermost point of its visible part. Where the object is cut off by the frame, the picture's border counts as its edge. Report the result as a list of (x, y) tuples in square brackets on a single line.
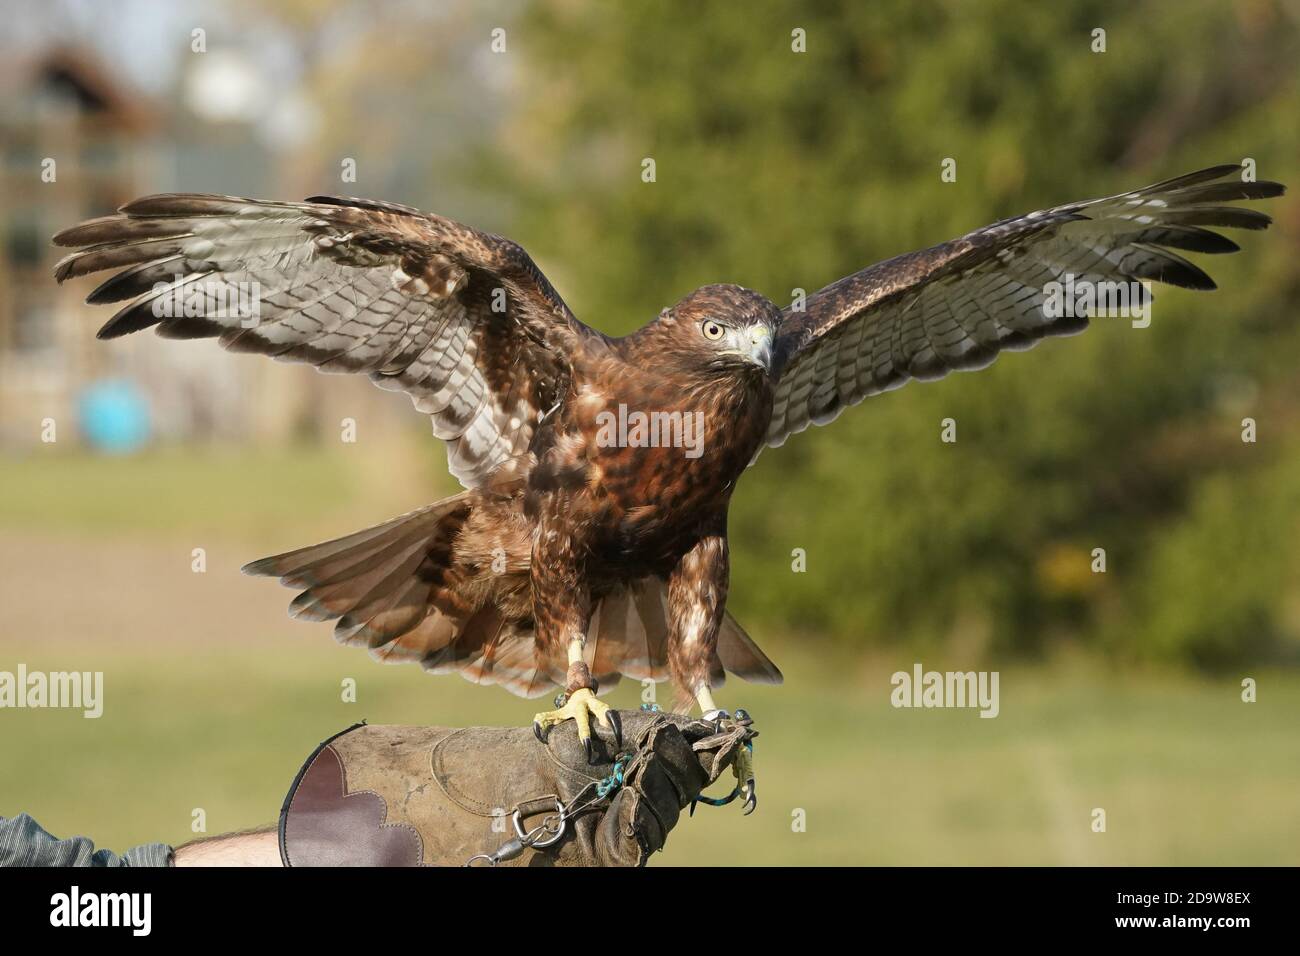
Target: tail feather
[(387, 553), (314, 557), (351, 586), (628, 636), (378, 583), (419, 643), (742, 657), (387, 615), (400, 590), (396, 590), (490, 650)]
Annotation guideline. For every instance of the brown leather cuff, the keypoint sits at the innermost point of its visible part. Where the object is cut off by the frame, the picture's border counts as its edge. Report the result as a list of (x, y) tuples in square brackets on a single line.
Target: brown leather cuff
[(578, 678)]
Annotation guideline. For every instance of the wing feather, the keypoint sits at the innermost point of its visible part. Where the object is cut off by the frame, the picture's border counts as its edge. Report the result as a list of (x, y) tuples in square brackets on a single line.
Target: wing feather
[(957, 305), (462, 321)]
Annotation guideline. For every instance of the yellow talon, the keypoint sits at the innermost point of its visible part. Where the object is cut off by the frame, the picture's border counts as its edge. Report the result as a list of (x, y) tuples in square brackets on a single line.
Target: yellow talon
[(580, 707)]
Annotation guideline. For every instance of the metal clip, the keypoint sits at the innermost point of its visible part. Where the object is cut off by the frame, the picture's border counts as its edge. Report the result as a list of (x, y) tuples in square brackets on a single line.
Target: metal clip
[(507, 851), (529, 838)]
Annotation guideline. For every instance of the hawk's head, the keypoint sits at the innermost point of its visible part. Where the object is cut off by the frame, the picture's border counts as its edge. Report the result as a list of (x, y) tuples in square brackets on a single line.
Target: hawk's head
[(717, 328)]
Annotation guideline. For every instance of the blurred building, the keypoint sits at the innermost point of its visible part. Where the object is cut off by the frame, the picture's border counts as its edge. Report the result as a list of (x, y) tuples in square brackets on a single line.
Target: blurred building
[(74, 144), (77, 141)]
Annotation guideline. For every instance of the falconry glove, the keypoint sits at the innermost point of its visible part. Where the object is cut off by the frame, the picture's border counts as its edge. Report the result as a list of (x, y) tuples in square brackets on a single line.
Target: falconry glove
[(443, 796)]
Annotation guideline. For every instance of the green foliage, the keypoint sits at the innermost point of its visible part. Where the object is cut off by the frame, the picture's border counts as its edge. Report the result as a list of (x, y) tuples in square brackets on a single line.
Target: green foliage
[(1224, 581), (783, 170)]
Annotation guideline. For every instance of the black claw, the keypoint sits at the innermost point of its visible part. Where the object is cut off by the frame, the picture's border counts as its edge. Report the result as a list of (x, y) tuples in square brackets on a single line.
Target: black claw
[(692, 808), (538, 732), (751, 797), (616, 722), (587, 744)]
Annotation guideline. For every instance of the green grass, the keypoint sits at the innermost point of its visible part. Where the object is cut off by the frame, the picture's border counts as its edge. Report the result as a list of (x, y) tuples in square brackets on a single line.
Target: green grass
[(231, 490), (1187, 773)]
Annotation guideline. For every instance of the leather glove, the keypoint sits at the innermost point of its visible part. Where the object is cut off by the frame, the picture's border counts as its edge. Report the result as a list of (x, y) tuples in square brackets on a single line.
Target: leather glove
[(443, 796)]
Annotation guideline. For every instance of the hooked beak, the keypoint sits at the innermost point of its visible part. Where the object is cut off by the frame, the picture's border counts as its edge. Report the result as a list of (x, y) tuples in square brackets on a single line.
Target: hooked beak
[(758, 338)]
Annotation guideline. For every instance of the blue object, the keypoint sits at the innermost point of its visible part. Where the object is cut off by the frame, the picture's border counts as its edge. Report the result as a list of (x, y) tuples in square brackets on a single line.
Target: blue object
[(114, 416)]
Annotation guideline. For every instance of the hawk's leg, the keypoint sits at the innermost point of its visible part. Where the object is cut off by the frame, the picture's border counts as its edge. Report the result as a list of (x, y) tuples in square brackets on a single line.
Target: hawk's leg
[(708, 710), (697, 595), (581, 704), (743, 765)]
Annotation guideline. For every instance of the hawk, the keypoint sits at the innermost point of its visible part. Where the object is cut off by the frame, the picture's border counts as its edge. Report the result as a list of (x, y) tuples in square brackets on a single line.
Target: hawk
[(590, 540)]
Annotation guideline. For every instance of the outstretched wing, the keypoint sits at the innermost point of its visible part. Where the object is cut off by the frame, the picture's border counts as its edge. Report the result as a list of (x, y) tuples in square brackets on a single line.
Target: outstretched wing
[(461, 320), (957, 305)]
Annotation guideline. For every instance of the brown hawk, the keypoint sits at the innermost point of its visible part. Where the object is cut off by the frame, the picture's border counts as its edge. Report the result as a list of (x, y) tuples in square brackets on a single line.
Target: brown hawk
[(591, 538)]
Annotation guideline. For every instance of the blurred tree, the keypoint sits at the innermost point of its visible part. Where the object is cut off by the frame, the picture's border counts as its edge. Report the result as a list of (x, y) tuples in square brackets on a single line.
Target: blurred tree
[(781, 170)]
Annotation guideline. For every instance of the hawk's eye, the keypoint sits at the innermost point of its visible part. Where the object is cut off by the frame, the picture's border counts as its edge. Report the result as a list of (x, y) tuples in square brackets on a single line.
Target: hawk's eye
[(712, 330)]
